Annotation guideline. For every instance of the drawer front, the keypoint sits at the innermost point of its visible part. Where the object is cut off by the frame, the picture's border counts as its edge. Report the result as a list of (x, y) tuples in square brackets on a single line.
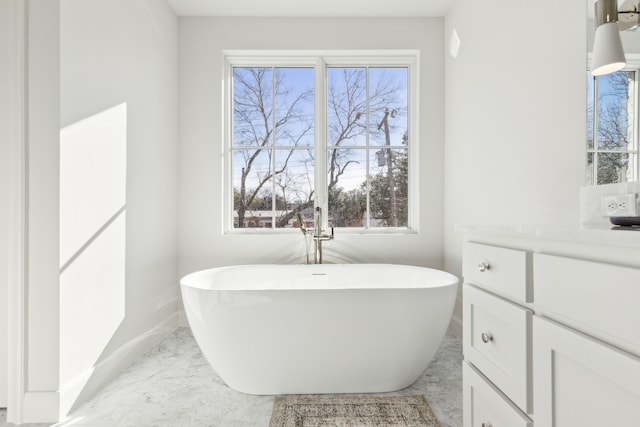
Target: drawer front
[(497, 341), (501, 270), (582, 382), (484, 406), (601, 297)]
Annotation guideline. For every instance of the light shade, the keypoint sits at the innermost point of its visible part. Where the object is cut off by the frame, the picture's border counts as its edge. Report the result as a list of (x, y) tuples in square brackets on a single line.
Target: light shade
[(608, 55)]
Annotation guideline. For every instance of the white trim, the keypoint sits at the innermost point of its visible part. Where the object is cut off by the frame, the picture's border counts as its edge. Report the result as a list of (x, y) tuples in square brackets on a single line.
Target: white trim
[(633, 64), (17, 197), (372, 57), (455, 326), (320, 59), (40, 406), (414, 145), (320, 176), (227, 155)]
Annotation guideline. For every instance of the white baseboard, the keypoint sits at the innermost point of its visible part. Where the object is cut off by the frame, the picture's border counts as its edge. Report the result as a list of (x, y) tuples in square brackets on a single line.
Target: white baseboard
[(86, 385), (455, 326), (40, 407)]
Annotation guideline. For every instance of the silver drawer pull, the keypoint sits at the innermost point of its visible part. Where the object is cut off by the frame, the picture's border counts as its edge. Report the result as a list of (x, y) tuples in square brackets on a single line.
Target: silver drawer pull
[(487, 337), (486, 424), (483, 266)]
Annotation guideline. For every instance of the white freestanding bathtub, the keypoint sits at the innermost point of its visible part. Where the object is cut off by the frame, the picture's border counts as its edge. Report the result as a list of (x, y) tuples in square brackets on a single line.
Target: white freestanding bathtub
[(327, 328)]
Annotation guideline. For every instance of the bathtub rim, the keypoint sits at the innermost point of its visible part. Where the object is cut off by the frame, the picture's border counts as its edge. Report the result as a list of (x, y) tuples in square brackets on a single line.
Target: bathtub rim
[(317, 276)]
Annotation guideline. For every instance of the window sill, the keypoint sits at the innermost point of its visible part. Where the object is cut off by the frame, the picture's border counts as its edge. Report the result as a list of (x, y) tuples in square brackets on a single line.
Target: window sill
[(400, 231)]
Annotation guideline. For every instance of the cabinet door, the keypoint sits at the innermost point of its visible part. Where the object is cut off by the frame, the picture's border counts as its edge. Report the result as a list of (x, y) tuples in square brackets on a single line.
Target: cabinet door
[(581, 382), (496, 340), (484, 405)]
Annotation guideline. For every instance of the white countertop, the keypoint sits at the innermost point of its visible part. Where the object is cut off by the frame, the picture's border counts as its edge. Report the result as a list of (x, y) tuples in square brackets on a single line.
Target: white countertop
[(601, 235)]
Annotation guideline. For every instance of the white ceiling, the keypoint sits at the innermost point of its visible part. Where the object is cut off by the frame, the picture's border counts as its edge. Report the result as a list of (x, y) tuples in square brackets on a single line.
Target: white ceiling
[(312, 8)]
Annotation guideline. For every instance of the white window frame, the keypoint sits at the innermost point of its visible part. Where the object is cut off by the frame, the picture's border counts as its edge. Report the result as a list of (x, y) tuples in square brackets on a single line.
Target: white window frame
[(320, 60), (633, 64)]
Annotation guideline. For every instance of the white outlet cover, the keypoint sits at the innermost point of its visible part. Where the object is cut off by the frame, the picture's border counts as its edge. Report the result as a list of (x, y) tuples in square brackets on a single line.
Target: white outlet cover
[(620, 204)]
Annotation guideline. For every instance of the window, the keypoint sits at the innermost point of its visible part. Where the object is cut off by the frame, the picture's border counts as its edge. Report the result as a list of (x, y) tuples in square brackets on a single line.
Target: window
[(311, 130), (612, 127)]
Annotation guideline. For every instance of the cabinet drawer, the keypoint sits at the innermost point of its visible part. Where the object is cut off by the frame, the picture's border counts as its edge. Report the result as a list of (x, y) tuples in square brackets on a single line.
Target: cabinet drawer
[(601, 298), (501, 270), (485, 406), (582, 382), (497, 341)]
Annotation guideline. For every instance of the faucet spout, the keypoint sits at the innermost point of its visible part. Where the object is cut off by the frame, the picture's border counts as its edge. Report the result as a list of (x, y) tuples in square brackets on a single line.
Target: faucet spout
[(317, 234)]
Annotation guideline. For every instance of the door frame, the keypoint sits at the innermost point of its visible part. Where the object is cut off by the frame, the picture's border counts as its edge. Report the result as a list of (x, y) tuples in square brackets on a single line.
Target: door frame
[(16, 262)]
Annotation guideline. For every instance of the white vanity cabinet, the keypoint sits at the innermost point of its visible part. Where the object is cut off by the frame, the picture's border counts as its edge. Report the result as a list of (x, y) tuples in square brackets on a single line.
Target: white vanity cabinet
[(553, 338)]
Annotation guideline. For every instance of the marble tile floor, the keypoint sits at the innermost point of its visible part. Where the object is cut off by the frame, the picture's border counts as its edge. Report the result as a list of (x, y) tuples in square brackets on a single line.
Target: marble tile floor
[(173, 385)]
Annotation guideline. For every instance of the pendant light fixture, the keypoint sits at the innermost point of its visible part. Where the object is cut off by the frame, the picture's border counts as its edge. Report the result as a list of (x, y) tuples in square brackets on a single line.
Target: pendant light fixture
[(608, 55)]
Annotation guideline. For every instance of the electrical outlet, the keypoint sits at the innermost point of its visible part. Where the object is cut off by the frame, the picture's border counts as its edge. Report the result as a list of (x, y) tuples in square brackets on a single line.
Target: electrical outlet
[(621, 205)]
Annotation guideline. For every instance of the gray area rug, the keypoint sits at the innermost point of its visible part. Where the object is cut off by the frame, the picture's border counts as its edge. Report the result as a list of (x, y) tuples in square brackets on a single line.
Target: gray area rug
[(351, 411)]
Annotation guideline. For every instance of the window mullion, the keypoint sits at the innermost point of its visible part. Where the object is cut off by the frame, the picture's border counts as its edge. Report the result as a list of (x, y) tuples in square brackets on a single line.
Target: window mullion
[(366, 162), (274, 199), (321, 196), (227, 154), (595, 131), (636, 127)]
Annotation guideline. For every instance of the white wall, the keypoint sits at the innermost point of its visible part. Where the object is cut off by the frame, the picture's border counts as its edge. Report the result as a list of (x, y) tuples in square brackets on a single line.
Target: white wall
[(118, 187), (515, 116), (201, 242)]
